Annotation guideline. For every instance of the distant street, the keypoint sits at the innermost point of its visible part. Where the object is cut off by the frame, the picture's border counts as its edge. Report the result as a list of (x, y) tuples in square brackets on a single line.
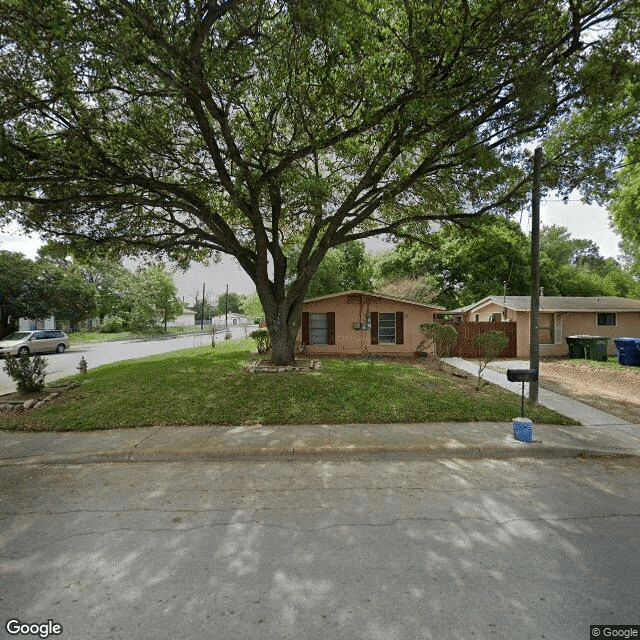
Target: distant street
[(384, 550), (96, 354)]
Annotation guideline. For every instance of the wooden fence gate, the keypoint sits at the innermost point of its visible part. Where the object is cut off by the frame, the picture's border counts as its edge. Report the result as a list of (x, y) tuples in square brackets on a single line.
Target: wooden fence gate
[(468, 330)]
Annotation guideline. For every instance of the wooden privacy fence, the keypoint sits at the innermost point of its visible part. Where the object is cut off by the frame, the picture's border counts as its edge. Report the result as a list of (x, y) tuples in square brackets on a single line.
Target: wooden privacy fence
[(467, 331)]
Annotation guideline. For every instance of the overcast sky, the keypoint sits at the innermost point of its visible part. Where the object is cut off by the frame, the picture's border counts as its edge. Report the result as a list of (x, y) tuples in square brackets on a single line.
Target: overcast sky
[(582, 221)]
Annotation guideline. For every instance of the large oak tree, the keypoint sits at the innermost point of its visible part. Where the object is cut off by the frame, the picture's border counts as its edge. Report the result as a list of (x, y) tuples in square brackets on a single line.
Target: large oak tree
[(247, 126)]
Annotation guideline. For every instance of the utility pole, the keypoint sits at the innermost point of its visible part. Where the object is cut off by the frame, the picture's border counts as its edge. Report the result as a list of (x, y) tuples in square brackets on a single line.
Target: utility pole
[(202, 310), (534, 335), (226, 308)]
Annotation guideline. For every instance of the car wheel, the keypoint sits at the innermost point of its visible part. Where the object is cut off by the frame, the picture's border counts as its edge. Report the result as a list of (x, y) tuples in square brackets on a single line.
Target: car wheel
[(23, 351), (60, 348)]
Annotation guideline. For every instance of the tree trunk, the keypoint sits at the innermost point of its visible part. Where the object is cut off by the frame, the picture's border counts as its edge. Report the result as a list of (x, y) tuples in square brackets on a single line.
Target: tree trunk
[(283, 322), (283, 344)]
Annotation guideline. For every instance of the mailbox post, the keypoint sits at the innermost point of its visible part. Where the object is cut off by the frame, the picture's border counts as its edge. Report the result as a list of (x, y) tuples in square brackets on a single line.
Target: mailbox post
[(522, 375)]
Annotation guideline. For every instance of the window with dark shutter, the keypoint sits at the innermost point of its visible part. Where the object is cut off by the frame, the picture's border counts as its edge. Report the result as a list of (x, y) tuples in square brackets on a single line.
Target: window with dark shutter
[(386, 328), (319, 328), (374, 327), (399, 327)]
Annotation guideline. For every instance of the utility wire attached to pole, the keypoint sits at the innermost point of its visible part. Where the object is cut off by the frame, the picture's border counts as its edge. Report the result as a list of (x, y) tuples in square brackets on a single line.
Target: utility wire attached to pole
[(534, 335)]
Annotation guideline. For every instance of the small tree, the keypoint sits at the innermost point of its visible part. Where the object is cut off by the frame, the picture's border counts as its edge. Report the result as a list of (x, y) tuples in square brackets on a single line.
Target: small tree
[(442, 337), (152, 299), (28, 372), (263, 339), (489, 346), (252, 307)]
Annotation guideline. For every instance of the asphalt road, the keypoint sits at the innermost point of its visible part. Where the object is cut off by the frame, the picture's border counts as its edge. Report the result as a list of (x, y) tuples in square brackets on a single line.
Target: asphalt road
[(444, 549), (60, 365)]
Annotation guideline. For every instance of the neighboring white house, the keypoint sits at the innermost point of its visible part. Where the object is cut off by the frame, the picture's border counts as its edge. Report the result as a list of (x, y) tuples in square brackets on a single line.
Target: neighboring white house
[(186, 319), (231, 320), (29, 324)]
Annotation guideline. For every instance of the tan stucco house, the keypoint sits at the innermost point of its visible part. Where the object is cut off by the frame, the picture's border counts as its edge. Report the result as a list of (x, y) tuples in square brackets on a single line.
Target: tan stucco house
[(559, 317), (356, 322)]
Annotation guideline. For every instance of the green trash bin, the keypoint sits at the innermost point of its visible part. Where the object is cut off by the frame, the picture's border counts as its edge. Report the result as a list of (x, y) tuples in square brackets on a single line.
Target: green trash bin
[(576, 346), (596, 348)]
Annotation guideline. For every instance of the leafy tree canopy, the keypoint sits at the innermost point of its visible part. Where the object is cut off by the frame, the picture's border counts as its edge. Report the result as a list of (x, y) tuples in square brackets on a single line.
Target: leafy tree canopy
[(152, 299), (42, 288), (16, 275), (344, 268), (228, 303), (489, 257), (236, 125), (463, 264)]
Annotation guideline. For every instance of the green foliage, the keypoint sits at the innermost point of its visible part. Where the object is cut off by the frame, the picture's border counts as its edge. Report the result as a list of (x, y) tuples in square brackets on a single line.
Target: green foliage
[(574, 267), (424, 289), (489, 346), (68, 296), (625, 213), (43, 288), (625, 207), (228, 303), (17, 275), (186, 129), (263, 340), (441, 337), (345, 268), (209, 308), (251, 306), (28, 372), (152, 299), (463, 264), (466, 264), (112, 324)]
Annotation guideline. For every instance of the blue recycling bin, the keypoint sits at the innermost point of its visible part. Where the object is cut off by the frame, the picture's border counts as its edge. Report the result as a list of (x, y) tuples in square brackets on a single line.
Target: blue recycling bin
[(628, 351)]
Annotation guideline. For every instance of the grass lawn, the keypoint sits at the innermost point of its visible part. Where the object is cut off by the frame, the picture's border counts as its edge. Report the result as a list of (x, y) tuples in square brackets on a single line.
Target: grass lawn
[(84, 337), (210, 386)]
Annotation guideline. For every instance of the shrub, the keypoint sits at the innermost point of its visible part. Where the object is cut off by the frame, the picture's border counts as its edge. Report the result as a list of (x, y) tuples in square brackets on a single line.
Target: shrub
[(489, 346), (28, 372), (263, 340), (228, 335), (441, 336), (113, 324)]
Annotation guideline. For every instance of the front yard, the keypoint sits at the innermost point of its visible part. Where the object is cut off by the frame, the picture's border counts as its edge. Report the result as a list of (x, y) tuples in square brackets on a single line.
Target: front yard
[(211, 386), (605, 385)]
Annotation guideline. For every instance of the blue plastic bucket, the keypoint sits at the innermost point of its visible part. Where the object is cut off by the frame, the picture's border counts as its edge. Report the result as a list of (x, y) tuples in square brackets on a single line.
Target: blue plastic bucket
[(523, 429)]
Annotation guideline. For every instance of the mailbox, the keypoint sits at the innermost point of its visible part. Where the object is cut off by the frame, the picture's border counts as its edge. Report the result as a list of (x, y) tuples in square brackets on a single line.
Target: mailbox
[(522, 375)]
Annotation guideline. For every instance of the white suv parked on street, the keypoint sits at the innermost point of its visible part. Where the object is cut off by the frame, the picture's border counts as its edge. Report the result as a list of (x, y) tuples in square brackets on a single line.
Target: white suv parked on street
[(24, 343)]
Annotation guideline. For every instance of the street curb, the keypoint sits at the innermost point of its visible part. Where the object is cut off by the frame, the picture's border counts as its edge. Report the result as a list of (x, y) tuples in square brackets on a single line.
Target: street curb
[(337, 453)]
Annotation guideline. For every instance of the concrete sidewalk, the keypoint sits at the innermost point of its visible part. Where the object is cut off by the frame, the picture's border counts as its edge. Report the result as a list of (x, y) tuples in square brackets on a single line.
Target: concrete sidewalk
[(314, 442)]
